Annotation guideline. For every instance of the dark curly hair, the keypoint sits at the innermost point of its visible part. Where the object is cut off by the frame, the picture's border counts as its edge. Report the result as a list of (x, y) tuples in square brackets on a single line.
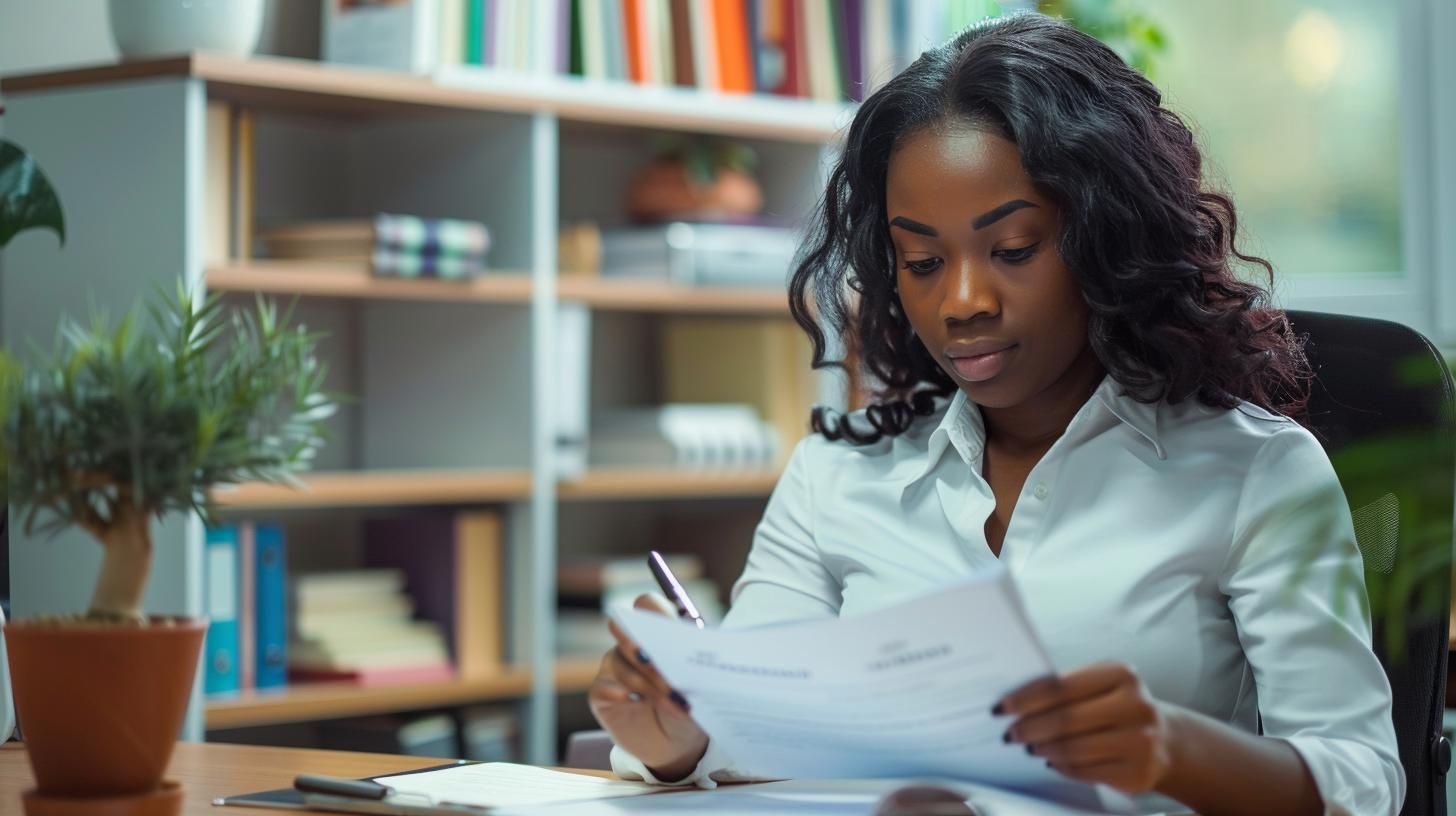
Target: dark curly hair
[(1152, 249)]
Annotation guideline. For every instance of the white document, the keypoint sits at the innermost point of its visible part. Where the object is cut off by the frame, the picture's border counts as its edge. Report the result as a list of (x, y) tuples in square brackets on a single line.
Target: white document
[(905, 691), (504, 784)]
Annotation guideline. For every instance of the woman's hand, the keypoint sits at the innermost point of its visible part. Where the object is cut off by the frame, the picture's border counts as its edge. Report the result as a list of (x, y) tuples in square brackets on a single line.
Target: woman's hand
[(642, 712), (1098, 724)]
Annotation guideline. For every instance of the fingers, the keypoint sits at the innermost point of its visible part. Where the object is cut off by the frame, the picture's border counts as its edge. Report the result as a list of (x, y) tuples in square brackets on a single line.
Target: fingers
[(1058, 690), (1089, 750), (1122, 707), (631, 668), (1129, 759)]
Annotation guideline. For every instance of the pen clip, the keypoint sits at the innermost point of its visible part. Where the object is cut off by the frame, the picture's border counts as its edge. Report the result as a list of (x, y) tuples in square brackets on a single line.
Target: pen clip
[(348, 788)]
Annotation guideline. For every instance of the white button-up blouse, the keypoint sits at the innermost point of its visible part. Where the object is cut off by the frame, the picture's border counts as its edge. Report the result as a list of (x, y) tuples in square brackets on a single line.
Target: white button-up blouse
[(1212, 550)]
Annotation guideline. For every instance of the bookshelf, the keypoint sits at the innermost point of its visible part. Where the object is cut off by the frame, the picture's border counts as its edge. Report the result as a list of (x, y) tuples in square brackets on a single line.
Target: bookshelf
[(455, 383), (332, 701)]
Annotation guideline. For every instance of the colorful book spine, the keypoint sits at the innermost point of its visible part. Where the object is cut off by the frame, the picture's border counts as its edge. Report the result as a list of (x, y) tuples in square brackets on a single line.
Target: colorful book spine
[(271, 607), (729, 22), (221, 566), (474, 28)]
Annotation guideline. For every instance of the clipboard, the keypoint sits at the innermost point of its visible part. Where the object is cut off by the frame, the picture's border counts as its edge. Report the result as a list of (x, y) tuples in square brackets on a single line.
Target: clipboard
[(291, 799)]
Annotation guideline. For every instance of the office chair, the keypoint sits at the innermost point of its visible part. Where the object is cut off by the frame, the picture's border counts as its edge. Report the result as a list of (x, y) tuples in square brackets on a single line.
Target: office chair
[(1382, 405)]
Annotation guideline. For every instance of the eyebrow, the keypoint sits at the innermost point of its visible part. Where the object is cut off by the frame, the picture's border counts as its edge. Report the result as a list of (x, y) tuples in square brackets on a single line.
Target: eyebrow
[(979, 223)]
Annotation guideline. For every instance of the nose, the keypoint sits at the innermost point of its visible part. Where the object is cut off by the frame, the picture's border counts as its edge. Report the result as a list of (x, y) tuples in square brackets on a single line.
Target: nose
[(969, 292)]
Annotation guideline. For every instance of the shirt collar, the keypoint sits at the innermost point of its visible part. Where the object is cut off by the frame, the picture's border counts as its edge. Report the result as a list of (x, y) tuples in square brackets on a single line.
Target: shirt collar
[(1140, 416), (962, 429)]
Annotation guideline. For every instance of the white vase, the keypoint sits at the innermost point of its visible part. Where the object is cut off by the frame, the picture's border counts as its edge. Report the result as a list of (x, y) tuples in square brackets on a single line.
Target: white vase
[(152, 28)]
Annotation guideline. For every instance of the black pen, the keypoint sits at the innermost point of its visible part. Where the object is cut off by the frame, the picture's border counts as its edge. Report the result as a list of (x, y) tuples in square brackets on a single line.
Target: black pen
[(673, 589), (333, 786)]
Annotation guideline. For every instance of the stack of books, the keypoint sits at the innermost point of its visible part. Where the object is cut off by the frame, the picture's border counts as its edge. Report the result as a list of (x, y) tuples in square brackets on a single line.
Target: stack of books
[(701, 254), (705, 436), (398, 246), (357, 626)]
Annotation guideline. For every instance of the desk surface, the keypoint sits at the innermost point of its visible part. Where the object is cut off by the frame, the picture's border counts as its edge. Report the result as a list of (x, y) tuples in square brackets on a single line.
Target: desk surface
[(212, 770)]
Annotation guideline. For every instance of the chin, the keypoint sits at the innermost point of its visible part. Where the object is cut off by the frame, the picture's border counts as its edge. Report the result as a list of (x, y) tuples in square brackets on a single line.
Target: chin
[(1000, 391)]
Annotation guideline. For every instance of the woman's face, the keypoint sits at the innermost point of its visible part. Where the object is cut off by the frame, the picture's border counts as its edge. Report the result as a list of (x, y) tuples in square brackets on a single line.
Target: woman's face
[(977, 266)]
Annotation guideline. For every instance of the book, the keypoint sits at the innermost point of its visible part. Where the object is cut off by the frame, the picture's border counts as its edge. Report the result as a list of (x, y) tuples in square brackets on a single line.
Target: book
[(732, 46), (220, 566), (217, 199), (247, 606), (453, 568), (684, 61), (701, 254), (270, 653)]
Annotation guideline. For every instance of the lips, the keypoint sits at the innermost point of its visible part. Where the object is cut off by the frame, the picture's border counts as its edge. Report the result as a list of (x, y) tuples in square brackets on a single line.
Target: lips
[(980, 361)]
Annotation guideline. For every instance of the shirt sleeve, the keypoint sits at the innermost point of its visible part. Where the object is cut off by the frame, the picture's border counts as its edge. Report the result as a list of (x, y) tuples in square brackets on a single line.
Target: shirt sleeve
[(784, 580), (1296, 586)]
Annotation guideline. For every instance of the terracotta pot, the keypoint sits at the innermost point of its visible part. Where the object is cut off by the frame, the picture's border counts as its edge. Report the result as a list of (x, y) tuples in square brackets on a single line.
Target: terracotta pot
[(102, 706), (664, 189)]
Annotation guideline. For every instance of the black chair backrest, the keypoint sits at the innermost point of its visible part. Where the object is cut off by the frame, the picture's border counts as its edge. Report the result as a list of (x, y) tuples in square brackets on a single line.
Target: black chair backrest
[(1382, 405)]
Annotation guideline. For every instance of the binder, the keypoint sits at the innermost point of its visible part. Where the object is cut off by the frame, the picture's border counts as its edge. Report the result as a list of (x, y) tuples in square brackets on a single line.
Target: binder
[(271, 605), (221, 567)]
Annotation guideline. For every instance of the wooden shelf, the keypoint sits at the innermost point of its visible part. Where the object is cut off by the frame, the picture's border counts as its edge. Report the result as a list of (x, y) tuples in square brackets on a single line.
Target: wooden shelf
[(655, 296), (331, 701), (380, 488), (353, 280), (405, 487), (627, 484), (277, 82)]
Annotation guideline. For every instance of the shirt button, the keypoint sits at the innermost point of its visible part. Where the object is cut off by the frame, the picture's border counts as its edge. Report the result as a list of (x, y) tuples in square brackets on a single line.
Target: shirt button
[(1040, 491)]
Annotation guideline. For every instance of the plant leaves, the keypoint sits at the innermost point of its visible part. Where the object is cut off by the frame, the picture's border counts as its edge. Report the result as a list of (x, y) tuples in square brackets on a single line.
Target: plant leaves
[(27, 199)]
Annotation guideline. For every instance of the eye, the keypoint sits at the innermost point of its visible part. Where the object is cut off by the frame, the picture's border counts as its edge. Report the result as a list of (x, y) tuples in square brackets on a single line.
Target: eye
[(1017, 256), (923, 266)]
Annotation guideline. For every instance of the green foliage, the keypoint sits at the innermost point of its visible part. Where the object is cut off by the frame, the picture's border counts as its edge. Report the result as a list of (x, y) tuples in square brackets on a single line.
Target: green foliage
[(1137, 38), (1413, 465), (27, 199), (704, 157), (120, 416)]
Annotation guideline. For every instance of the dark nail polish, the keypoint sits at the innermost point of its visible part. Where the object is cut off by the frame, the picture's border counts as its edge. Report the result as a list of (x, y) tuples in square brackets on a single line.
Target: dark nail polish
[(1006, 737), (642, 657), (998, 709), (1031, 749), (680, 700)]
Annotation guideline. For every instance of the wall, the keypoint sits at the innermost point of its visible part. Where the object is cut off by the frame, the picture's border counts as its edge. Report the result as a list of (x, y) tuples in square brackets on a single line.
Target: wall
[(39, 35)]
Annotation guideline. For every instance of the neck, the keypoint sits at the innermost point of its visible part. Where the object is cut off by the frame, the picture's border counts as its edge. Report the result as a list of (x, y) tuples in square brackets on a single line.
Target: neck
[(1035, 424)]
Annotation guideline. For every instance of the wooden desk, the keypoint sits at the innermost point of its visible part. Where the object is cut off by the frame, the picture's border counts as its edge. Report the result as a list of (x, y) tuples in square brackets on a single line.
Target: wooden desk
[(211, 770)]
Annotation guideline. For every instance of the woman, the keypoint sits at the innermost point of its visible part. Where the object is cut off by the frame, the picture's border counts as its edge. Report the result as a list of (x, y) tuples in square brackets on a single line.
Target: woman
[(1077, 384)]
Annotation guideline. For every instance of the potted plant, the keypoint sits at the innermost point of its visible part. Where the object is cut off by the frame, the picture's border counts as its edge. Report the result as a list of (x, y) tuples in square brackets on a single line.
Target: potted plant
[(119, 427), (696, 179)]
